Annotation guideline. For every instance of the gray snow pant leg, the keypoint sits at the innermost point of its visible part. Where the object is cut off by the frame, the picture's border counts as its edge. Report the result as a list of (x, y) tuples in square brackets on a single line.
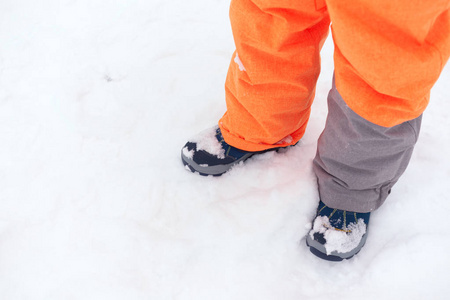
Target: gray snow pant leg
[(358, 162)]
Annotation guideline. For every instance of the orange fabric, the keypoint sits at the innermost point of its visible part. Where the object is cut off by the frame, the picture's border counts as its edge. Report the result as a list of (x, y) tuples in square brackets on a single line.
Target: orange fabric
[(388, 54), (278, 43)]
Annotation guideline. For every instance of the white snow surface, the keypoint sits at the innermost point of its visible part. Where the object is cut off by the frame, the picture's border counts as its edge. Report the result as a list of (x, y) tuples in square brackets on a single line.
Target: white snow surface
[(96, 100)]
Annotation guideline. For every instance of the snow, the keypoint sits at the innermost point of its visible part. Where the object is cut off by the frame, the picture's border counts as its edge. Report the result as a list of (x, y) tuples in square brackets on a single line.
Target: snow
[(97, 98), (188, 153), (207, 140), (338, 240)]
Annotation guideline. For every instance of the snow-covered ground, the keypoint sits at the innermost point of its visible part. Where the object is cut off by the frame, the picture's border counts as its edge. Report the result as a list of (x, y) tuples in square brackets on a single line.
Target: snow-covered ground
[(96, 100)]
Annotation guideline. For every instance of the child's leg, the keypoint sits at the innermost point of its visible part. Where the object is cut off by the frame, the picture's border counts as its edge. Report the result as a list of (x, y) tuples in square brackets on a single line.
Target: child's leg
[(272, 76), (358, 162), (387, 58), (270, 84)]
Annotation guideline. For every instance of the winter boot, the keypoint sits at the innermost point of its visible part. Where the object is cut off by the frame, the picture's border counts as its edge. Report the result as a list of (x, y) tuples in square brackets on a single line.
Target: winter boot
[(209, 154), (337, 234)]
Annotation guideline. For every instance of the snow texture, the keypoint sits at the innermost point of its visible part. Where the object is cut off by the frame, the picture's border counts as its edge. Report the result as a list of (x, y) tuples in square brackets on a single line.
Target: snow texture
[(96, 100), (207, 140), (336, 240)]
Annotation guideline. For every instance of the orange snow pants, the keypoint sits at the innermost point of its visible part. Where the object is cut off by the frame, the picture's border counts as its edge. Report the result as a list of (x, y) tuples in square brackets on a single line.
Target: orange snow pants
[(388, 54)]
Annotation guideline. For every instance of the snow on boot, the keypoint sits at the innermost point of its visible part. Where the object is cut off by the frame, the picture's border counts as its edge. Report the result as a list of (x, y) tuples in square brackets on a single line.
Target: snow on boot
[(337, 234)]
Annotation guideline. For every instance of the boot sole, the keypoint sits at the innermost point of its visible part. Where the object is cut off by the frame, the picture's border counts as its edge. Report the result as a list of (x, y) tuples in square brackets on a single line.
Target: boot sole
[(319, 250), (217, 170)]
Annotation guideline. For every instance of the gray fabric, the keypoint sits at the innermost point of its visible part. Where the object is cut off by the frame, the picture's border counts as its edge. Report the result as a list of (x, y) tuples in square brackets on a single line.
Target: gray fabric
[(358, 162)]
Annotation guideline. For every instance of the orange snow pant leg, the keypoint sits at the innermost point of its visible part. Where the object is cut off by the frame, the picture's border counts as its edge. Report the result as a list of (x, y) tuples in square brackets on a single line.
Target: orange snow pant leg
[(388, 55), (272, 76)]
